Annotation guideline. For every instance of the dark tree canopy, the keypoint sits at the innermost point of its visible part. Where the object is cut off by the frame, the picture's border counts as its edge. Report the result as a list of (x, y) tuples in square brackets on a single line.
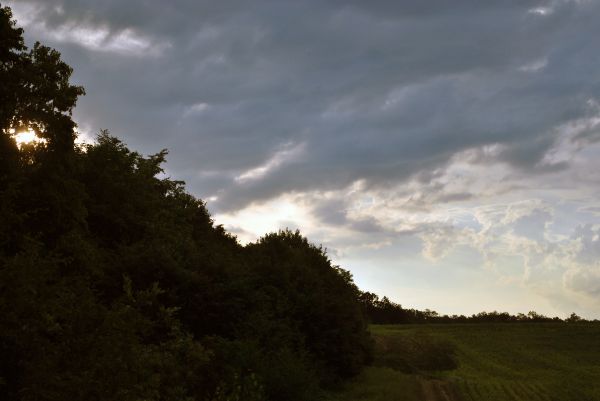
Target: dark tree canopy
[(35, 91), (115, 284)]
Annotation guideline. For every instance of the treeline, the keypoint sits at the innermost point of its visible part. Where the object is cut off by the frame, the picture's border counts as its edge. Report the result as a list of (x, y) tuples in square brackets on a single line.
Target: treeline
[(383, 311), (115, 284)]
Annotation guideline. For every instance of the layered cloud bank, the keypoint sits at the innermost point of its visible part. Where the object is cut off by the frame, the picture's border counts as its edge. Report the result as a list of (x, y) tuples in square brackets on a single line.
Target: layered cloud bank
[(446, 152)]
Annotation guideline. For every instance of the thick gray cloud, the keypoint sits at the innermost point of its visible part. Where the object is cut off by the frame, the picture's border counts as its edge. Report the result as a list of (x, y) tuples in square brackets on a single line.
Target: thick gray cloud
[(378, 91)]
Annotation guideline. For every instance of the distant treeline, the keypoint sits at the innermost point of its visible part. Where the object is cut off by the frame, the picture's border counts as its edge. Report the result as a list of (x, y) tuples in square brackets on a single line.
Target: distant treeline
[(383, 311)]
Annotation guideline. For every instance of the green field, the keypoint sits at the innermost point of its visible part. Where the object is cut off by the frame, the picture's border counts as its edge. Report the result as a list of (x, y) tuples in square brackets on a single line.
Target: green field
[(496, 362)]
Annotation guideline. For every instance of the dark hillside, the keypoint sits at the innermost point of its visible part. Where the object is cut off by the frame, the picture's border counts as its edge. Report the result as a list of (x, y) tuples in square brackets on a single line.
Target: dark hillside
[(115, 284)]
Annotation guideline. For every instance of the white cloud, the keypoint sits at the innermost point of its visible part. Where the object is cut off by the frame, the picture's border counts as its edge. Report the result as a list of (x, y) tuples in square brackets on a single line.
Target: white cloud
[(535, 65), (287, 154), (584, 281), (257, 220), (125, 42), (543, 11), (195, 108)]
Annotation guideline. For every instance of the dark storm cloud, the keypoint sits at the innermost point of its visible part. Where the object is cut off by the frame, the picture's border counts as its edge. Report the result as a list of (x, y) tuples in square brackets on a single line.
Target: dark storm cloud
[(379, 91)]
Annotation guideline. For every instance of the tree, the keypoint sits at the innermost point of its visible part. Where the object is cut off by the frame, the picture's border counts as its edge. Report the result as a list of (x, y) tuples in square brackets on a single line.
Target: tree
[(319, 297), (11, 48), (35, 92), (115, 283)]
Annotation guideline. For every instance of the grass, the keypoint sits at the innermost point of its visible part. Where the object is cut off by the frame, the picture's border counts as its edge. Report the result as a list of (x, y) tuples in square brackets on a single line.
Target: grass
[(478, 362), (380, 384)]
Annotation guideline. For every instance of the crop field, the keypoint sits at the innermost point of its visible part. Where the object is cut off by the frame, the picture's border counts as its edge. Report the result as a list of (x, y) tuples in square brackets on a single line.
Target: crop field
[(473, 362)]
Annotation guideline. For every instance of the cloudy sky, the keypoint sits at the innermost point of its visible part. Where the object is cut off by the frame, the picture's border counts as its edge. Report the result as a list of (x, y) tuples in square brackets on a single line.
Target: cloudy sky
[(445, 152)]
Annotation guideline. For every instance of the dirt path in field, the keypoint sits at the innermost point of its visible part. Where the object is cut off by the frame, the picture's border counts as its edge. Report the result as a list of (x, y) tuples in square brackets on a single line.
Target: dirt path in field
[(437, 390)]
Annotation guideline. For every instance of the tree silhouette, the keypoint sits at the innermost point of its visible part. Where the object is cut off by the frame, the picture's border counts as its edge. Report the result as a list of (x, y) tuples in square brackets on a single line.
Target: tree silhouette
[(35, 92), (115, 283)]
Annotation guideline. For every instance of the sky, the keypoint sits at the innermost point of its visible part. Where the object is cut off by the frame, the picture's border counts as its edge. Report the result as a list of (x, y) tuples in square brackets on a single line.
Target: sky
[(445, 152)]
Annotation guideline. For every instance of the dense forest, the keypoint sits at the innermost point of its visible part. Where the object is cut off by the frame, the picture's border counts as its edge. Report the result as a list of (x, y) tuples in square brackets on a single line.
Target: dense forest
[(115, 283)]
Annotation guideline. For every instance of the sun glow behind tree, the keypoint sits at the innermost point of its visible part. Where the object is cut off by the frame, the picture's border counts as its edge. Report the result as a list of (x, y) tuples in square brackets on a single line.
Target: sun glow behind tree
[(26, 137)]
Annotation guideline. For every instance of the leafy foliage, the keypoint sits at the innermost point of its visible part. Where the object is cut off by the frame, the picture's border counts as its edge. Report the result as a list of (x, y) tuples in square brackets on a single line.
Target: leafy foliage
[(34, 88), (116, 284)]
